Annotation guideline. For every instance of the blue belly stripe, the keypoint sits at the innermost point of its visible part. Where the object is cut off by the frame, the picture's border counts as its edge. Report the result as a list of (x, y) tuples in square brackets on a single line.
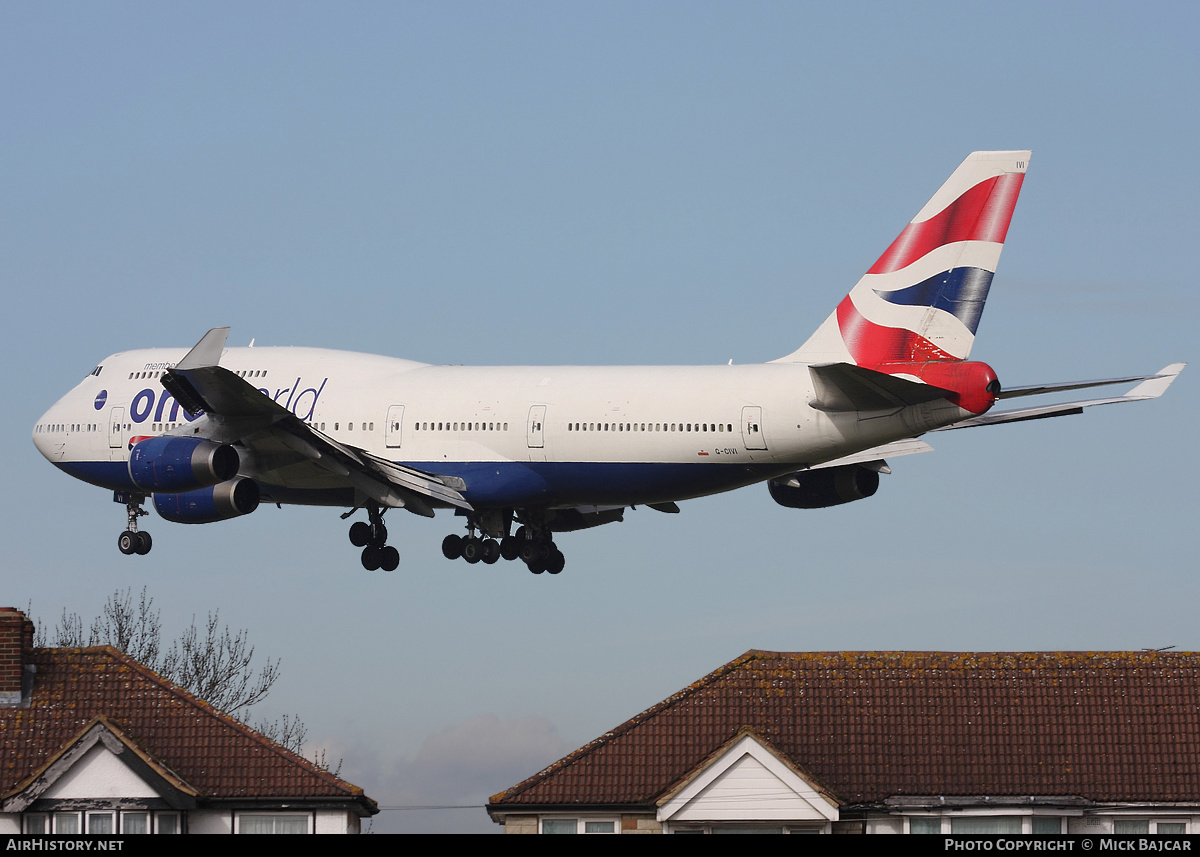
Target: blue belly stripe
[(516, 484)]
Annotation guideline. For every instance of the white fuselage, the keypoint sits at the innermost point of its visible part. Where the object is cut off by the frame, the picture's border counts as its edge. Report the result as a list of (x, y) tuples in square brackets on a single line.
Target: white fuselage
[(507, 436)]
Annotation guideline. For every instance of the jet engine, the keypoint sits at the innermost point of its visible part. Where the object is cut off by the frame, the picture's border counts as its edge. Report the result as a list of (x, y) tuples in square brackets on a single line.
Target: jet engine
[(229, 499), (170, 464), (826, 486)]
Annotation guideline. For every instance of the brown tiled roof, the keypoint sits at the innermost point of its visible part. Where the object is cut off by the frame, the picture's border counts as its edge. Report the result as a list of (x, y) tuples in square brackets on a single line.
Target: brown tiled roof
[(208, 750), (1108, 726)]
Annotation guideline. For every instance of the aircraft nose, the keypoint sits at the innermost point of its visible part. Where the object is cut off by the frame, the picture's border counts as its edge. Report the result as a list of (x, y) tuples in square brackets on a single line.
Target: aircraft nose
[(44, 437)]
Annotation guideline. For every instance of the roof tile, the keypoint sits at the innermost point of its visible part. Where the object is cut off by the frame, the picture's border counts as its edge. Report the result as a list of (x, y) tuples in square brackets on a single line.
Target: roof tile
[(211, 751), (1111, 726)]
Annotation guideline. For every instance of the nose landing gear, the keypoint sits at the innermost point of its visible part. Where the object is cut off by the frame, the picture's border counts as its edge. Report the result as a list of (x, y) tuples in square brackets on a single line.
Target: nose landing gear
[(131, 541)]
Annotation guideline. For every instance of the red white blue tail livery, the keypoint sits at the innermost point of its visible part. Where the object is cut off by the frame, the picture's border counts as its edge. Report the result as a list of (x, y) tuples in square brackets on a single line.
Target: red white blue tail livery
[(922, 299), (521, 454)]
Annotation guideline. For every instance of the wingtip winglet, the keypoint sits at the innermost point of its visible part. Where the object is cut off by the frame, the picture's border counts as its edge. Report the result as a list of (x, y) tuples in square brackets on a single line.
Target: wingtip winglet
[(1154, 387), (206, 352)]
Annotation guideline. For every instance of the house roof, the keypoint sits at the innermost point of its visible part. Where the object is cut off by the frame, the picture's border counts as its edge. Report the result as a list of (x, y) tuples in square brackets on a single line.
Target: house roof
[(203, 748), (1108, 726)]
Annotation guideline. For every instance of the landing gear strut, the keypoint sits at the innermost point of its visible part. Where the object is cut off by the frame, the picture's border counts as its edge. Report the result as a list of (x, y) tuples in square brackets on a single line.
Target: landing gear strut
[(131, 541), (372, 538)]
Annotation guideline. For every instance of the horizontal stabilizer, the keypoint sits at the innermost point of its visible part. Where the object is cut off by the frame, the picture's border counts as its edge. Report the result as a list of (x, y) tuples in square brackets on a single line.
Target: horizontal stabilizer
[(1151, 387), (1167, 374), (846, 387), (911, 446)]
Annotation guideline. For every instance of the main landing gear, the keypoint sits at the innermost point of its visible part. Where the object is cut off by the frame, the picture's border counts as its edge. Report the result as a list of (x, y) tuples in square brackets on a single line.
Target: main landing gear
[(535, 548), (372, 538), (131, 541)]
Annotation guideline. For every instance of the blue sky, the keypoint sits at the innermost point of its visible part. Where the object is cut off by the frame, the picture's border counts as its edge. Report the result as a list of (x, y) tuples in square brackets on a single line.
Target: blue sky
[(618, 183)]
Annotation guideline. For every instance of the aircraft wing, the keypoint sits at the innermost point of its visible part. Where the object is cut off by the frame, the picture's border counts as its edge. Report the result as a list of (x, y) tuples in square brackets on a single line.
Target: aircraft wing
[(277, 439), (1151, 387)]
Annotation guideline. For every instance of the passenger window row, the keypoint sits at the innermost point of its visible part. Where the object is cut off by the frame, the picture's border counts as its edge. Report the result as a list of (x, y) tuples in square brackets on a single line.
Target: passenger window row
[(684, 427), (463, 426)]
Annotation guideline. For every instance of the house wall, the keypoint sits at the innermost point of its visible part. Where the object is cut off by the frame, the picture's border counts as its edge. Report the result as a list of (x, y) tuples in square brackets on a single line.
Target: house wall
[(335, 821), (220, 821), (636, 823), (520, 824), (885, 824), (99, 774), (322, 821), (1105, 823), (640, 824)]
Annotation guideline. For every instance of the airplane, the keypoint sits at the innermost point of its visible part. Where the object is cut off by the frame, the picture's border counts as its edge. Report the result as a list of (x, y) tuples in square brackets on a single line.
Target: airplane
[(211, 432)]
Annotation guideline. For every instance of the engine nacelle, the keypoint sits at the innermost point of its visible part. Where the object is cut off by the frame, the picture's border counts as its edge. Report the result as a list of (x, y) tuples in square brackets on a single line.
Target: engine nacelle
[(230, 499), (169, 464), (826, 486)]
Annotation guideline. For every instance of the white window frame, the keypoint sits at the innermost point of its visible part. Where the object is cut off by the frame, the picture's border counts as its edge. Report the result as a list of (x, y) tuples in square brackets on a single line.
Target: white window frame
[(159, 816), (57, 816), (687, 827), (1153, 821), (581, 822), (145, 814), (274, 816), (1026, 816), (111, 814)]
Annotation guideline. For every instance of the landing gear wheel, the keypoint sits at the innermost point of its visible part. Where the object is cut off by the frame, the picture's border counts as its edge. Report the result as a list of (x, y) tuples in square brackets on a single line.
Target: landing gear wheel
[(510, 548), (389, 558), (127, 542), (472, 549), (491, 551), (360, 534), (452, 546), (144, 543), (528, 551), (557, 562), (371, 557), (536, 566)]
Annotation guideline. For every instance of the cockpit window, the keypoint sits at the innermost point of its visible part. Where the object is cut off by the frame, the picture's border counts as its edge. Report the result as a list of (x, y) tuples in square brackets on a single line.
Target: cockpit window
[(96, 371)]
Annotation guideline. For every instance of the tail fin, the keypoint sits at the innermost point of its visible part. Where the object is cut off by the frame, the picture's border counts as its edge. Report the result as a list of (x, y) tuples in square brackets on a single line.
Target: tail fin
[(922, 300)]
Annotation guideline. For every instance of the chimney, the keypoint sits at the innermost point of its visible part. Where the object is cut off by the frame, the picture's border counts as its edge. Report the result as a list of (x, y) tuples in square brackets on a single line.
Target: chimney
[(16, 647)]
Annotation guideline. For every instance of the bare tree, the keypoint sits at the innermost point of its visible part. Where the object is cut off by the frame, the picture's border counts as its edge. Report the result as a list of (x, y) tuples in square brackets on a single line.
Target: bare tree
[(287, 731), (217, 665), (135, 629), (213, 663)]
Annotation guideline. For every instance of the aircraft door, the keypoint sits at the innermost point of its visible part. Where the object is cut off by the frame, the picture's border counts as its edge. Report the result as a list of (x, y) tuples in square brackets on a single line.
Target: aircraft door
[(752, 433), (116, 431), (533, 430), (395, 426)]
